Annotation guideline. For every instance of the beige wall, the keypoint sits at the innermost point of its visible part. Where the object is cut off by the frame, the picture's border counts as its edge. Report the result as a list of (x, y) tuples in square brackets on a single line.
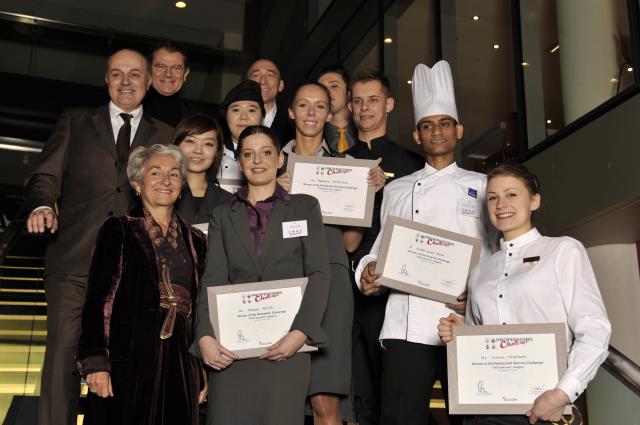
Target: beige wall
[(616, 268)]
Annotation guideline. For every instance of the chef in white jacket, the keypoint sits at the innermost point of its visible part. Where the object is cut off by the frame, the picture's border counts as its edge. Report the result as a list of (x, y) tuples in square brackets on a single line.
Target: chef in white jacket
[(441, 195), (536, 279)]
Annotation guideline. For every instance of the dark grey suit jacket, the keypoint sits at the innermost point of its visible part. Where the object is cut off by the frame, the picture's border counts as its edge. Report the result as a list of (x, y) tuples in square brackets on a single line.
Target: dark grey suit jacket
[(231, 258), (78, 169)]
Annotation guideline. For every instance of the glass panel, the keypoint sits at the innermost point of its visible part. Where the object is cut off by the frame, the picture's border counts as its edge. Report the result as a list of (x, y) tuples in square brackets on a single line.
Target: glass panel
[(365, 54), (576, 55), (410, 38), (477, 41), (315, 9)]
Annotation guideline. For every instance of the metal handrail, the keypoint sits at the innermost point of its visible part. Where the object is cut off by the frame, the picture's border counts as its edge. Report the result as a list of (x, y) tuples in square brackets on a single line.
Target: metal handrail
[(624, 369), (12, 233)]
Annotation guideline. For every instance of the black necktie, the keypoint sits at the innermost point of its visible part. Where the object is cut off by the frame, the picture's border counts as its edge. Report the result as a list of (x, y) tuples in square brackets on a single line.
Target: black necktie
[(124, 140)]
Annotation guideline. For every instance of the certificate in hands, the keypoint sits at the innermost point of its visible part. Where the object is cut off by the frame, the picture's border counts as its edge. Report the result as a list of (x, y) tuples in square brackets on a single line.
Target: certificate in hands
[(248, 318), (502, 369), (425, 261), (339, 184)]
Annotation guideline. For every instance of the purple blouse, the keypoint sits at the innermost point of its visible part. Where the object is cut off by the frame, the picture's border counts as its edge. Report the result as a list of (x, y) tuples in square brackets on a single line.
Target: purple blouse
[(259, 214)]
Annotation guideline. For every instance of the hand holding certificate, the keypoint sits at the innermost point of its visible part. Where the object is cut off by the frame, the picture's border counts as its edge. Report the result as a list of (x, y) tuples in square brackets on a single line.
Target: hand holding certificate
[(339, 184), (248, 319), (425, 261), (502, 369)]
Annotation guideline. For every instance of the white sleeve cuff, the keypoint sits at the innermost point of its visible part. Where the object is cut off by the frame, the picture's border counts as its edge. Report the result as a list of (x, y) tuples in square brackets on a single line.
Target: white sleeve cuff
[(43, 207), (571, 386), (361, 265)]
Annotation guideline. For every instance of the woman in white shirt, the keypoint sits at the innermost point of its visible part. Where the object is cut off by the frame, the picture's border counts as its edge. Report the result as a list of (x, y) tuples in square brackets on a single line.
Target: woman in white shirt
[(536, 279)]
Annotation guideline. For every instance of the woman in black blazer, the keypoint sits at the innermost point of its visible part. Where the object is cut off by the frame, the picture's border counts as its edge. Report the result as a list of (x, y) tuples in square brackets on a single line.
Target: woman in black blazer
[(246, 244), (200, 140)]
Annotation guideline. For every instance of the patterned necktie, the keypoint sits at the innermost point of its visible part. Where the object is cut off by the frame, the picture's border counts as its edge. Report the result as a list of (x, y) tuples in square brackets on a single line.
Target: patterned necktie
[(343, 145), (124, 140)]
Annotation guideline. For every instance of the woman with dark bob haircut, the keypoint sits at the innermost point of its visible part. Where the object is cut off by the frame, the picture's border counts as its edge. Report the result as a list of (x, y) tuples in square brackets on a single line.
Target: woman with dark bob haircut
[(247, 245), (142, 291), (535, 279), (199, 137)]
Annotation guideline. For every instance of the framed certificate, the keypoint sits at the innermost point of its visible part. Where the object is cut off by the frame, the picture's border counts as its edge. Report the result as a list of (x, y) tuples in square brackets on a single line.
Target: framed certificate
[(248, 318), (339, 184), (426, 261), (231, 185), (501, 369)]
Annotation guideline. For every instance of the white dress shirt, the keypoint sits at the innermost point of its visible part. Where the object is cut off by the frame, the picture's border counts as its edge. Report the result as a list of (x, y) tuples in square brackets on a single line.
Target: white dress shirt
[(452, 199), (117, 121), (270, 116), (538, 279), (229, 168)]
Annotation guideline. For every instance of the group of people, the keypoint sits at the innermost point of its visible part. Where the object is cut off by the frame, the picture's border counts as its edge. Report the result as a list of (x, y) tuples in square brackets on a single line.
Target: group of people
[(125, 188)]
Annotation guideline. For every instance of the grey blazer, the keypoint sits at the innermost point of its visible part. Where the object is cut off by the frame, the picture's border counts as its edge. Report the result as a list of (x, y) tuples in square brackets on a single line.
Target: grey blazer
[(231, 258)]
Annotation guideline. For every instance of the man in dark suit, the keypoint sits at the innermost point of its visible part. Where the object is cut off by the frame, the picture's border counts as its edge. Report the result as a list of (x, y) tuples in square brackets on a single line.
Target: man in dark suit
[(267, 74), (169, 72), (82, 169)]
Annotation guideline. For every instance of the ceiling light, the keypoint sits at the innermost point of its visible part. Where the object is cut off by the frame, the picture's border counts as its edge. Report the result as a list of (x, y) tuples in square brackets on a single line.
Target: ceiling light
[(630, 69), (496, 46), (525, 64), (181, 4), (554, 48), (548, 121), (613, 80), (388, 40), (476, 17), (408, 81)]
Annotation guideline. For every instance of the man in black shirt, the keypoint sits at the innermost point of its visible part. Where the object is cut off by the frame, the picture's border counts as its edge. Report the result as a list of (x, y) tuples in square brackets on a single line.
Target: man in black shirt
[(370, 104)]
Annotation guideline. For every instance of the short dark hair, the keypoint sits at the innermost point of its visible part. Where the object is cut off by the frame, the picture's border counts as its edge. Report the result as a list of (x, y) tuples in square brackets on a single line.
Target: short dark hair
[(312, 83), (258, 129), (519, 171), (337, 69), (172, 47), (194, 125), (372, 75)]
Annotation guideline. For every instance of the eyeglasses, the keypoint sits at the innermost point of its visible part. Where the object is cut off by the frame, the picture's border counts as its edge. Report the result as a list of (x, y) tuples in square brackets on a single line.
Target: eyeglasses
[(162, 68), (430, 126)]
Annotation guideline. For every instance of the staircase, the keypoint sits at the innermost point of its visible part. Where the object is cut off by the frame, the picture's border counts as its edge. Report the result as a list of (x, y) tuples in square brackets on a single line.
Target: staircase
[(23, 321)]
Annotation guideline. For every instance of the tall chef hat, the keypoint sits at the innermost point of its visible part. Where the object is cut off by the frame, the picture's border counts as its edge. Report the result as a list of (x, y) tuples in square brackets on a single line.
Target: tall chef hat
[(432, 91)]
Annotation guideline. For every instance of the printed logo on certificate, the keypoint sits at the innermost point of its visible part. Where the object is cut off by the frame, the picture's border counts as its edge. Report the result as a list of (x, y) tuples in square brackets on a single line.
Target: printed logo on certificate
[(339, 184), (426, 261), (501, 369), (248, 318)]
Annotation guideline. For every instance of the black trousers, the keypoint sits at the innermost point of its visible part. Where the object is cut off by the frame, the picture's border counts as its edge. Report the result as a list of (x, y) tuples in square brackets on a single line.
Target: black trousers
[(60, 388), (409, 371)]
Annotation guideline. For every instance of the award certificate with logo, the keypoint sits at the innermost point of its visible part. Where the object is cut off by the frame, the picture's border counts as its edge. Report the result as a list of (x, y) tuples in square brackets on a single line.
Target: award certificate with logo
[(339, 184), (426, 261), (501, 369), (248, 318)]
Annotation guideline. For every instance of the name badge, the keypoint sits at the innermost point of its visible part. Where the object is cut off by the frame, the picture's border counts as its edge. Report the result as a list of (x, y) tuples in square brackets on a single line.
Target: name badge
[(469, 208), (294, 229)]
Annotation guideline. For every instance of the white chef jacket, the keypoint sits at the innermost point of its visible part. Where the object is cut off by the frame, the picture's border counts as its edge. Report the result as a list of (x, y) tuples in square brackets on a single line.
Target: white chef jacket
[(538, 279), (229, 168), (452, 199)]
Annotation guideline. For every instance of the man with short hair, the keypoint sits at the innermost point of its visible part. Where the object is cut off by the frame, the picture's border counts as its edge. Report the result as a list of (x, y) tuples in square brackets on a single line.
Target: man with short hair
[(266, 73), (169, 72), (371, 102), (82, 171), (340, 132), (441, 195)]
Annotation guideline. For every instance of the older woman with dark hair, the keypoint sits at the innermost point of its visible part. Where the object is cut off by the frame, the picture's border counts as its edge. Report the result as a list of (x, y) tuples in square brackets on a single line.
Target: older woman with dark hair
[(199, 137), (137, 323)]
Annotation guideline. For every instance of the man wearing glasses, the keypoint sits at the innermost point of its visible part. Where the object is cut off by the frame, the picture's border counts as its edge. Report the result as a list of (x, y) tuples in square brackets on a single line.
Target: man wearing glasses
[(442, 195), (169, 72)]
